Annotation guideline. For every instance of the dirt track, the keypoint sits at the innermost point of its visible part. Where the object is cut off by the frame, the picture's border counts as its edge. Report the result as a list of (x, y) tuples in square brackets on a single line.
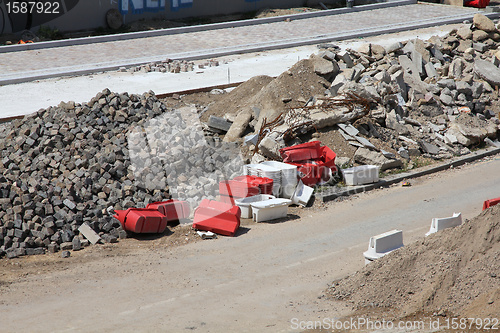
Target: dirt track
[(256, 282)]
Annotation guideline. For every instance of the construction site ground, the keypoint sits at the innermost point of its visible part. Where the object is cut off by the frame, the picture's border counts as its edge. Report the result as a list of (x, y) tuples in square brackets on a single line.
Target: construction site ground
[(259, 281)]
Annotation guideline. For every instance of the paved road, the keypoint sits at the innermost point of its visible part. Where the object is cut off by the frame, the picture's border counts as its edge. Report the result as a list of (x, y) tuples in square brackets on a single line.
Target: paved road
[(80, 58), (256, 282)]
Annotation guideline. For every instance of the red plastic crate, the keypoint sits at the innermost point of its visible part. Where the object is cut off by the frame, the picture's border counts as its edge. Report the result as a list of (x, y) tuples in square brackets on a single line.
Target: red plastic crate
[(172, 209), (142, 220), (303, 152), (238, 189), (218, 217), (265, 184)]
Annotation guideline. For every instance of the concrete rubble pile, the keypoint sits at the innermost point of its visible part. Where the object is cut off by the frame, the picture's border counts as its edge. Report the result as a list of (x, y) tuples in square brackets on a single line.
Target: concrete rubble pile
[(434, 98), (68, 165)]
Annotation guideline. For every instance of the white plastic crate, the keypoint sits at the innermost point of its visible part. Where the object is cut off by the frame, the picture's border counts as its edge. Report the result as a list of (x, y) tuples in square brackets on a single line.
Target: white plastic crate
[(270, 209), (383, 244), (288, 177), (364, 174), (302, 194), (245, 203)]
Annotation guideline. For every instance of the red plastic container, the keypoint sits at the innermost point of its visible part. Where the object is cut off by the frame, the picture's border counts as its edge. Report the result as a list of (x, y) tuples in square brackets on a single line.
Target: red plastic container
[(490, 203), (303, 152), (142, 220), (236, 188), (218, 217), (265, 184), (172, 209), (315, 168)]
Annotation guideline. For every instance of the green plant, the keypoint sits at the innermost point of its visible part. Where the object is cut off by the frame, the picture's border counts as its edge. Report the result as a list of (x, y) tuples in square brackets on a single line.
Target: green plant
[(46, 32)]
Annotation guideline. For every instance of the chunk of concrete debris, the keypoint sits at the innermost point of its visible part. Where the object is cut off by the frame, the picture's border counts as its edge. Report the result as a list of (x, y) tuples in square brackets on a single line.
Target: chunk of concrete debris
[(239, 126), (219, 123), (429, 147), (464, 32), (365, 142), (325, 68), (403, 152), (346, 57), (388, 154), (394, 47), (484, 23), (367, 156), (339, 81), (349, 129), (487, 71), (89, 233), (430, 70), (270, 148), (65, 254)]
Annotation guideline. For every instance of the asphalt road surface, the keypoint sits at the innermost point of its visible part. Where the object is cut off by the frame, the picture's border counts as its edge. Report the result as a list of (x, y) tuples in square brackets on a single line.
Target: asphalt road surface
[(255, 282)]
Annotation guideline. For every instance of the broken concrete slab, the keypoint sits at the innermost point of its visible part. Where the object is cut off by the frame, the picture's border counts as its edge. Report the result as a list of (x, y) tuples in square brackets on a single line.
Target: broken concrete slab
[(487, 71), (365, 142), (367, 156), (428, 147), (349, 129)]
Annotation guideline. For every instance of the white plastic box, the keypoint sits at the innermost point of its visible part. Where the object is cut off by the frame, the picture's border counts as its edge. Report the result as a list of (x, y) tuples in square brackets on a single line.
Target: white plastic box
[(302, 194), (444, 223), (245, 204), (270, 209), (364, 174), (383, 244)]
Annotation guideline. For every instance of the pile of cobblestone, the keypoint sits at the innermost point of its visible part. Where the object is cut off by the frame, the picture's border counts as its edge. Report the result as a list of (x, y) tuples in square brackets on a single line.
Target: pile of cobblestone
[(67, 165)]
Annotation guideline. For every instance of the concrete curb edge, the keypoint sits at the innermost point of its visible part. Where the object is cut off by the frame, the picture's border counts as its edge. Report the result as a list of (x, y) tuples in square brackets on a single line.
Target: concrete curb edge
[(203, 27), (454, 162)]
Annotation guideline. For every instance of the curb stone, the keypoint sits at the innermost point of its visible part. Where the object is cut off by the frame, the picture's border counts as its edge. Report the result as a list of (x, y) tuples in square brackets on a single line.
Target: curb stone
[(454, 162)]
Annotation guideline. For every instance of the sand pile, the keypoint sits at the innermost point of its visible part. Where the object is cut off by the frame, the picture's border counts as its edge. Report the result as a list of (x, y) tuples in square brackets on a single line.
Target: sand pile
[(455, 272)]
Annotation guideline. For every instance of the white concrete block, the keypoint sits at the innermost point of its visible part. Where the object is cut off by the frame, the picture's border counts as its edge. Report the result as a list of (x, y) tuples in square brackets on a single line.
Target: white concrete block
[(438, 224), (382, 244)]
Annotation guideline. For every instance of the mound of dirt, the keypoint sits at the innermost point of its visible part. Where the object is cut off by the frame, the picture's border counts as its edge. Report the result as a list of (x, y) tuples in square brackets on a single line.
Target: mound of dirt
[(272, 97), (238, 98), (454, 272)]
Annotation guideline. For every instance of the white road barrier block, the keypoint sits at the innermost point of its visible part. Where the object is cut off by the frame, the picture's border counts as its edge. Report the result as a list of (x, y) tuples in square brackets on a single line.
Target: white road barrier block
[(438, 224), (382, 244)]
